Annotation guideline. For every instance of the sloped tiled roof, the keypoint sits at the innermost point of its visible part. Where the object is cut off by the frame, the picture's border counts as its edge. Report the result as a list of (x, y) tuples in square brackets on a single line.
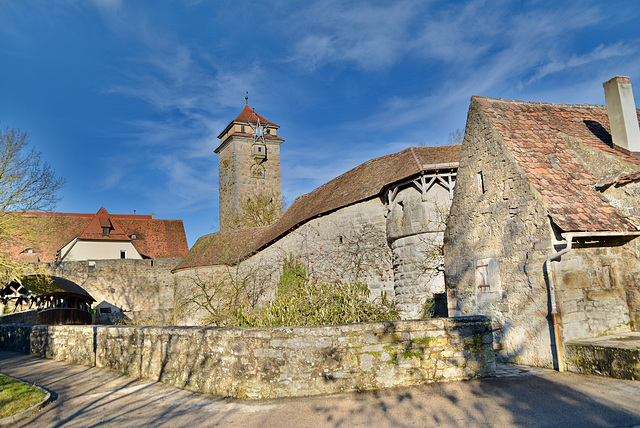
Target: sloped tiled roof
[(248, 115), (101, 220), (361, 183), (535, 133), (154, 238)]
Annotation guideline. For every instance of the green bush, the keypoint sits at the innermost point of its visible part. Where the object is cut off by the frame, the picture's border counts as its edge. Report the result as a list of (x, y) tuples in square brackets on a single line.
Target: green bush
[(303, 301)]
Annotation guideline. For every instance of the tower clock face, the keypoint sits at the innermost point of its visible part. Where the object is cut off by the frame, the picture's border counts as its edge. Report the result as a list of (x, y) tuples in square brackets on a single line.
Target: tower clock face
[(258, 171)]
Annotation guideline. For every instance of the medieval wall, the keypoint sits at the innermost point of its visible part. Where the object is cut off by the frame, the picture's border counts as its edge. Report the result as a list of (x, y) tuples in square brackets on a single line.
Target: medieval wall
[(590, 287), (498, 224), (273, 362), (348, 245), (140, 288), (415, 226)]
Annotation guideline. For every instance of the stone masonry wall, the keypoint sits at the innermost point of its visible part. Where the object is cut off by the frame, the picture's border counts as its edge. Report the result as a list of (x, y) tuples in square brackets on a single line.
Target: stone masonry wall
[(415, 226), (277, 362), (144, 287), (329, 247), (590, 287), (496, 215), (236, 183)]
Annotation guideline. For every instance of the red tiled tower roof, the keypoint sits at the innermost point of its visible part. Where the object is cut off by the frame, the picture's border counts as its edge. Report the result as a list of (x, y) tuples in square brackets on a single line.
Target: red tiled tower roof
[(248, 115), (536, 134)]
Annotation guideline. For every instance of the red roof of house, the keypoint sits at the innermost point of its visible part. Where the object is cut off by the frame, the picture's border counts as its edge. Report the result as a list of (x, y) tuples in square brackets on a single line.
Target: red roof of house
[(51, 231), (536, 134), (361, 183)]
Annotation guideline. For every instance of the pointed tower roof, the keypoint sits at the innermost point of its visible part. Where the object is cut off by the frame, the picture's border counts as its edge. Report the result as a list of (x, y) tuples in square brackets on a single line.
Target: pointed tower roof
[(95, 228), (247, 116)]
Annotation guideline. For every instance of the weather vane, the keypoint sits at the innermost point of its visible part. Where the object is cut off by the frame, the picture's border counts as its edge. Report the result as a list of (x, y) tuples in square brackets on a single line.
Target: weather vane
[(246, 98)]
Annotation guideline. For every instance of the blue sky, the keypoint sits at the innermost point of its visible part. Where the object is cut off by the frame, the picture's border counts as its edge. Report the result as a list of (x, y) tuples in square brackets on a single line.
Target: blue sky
[(125, 98)]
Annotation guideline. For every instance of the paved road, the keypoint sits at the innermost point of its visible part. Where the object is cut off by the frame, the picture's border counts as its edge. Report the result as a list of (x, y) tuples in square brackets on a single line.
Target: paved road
[(520, 397)]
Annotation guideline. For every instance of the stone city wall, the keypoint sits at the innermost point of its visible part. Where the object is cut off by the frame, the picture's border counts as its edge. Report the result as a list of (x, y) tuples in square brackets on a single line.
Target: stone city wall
[(274, 362), (391, 252), (347, 245), (145, 288), (415, 226)]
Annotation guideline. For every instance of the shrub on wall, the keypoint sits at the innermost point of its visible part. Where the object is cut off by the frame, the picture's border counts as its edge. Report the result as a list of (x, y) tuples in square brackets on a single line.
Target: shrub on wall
[(302, 301), (299, 300)]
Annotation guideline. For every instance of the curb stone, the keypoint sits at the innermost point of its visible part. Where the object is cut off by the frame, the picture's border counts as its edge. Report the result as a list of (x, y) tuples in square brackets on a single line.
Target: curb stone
[(31, 410)]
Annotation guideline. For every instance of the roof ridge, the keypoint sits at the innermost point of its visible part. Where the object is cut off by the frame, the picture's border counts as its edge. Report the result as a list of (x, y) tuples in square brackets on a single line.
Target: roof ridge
[(504, 100)]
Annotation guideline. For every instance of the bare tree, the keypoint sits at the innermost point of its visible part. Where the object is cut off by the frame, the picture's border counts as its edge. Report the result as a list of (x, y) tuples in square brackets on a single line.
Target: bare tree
[(456, 137), (27, 183)]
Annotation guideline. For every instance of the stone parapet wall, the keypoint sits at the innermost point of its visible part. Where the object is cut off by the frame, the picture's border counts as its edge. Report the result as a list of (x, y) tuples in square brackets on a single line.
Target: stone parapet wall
[(612, 356), (26, 317), (277, 362), (16, 338), (74, 344), (141, 286)]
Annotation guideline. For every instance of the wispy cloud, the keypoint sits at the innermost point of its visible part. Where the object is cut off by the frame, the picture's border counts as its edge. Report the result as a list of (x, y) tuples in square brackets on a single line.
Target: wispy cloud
[(600, 53), (371, 36)]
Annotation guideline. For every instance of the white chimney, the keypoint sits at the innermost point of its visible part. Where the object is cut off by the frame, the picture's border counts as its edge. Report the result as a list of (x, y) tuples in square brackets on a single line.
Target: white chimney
[(623, 116)]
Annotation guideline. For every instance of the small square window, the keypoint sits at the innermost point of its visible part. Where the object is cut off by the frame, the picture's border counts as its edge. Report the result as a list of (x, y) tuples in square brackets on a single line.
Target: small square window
[(123, 254)]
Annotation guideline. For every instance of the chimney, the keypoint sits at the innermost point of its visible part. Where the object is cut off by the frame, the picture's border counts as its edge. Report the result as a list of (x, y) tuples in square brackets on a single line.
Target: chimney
[(623, 116)]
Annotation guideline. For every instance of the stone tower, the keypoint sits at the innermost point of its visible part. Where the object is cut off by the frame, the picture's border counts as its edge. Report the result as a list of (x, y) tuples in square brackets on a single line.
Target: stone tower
[(248, 163)]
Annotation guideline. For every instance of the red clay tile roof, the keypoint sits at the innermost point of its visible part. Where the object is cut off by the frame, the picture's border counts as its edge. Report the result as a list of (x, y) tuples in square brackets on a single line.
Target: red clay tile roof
[(535, 134), (154, 238), (94, 230), (248, 115), (361, 183)]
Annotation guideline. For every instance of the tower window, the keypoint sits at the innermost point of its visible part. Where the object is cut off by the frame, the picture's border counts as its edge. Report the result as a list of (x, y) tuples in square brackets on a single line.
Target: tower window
[(481, 185), (241, 128)]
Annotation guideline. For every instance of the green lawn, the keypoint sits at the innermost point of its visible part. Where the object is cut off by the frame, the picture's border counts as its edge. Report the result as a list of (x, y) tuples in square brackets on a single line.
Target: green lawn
[(16, 396)]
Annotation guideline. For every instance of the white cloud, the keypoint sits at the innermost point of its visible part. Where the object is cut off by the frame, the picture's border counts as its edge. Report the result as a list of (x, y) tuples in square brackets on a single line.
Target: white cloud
[(600, 53), (369, 36)]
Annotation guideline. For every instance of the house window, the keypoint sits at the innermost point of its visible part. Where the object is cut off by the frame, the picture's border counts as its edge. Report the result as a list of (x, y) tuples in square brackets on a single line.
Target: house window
[(134, 236), (241, 128), (483, 281), (487, 280), (105, 231), (123, 254)]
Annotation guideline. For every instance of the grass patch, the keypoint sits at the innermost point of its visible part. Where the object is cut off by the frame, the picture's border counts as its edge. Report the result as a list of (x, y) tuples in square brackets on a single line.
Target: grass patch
[(16, 396)]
